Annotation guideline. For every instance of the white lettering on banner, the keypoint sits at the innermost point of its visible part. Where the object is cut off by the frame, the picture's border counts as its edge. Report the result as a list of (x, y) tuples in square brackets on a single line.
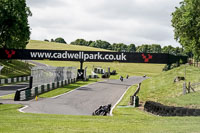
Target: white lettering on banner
[(80, 56)]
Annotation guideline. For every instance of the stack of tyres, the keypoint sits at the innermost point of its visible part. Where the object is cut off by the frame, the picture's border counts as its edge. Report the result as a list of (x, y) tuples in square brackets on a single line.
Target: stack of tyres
[(162, 110)]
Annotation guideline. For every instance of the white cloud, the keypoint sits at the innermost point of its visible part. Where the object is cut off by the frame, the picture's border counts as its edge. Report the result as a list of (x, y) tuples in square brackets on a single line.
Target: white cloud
[(126, 21)]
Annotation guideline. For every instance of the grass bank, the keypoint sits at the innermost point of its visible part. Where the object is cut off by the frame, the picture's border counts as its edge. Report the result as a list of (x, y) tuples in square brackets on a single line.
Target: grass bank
[(162, 89), (34, 44), (127, 120), (14, 68)]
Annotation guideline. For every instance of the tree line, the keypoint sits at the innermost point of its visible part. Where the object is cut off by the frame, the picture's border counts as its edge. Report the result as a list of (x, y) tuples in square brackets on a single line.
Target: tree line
[(121, 47)]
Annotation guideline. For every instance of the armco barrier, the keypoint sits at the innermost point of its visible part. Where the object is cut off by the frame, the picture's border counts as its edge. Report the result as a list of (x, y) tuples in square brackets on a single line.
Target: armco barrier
[(162, 110), (27, 93), (14, 80), (93, 76)]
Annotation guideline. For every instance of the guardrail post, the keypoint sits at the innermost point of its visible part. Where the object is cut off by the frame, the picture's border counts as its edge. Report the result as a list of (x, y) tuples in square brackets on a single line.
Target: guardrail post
[(17, 96), (31, 82)]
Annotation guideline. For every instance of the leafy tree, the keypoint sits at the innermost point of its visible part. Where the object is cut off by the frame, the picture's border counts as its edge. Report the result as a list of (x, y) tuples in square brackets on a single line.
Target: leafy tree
[(169, 50), (131, 48), (144, 48), (119, 47), (90, 42), (103, 44), (46, 40), (60, 40), (100, 44), (93, 44), (186, 23), (52, 40), (14, 27), (155, 48), (81, 42)]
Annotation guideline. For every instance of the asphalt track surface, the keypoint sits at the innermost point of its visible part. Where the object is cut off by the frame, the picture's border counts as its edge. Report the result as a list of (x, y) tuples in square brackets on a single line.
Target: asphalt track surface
[(83, 100), (9, 89)]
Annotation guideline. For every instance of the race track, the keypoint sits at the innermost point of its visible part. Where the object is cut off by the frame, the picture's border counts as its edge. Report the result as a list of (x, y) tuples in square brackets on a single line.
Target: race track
[(84, 100)]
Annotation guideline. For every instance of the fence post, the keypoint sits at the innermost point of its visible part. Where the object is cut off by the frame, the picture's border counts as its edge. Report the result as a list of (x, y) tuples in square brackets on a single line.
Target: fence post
[(31, 82), (184, 88), (17, 96)]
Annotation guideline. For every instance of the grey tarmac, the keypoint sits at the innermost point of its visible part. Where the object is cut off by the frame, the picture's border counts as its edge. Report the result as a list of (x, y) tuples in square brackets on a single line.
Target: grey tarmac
[(9, 89), (81, 101)]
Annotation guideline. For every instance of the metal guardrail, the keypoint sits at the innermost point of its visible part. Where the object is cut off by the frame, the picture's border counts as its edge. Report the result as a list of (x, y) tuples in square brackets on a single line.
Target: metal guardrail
[(18, 93), (195, 85), (31, 92), (191, 87)]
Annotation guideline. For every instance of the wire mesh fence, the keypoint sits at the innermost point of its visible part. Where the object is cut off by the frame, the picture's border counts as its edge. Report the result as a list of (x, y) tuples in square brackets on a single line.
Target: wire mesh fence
[(47, 74), (196, 86)]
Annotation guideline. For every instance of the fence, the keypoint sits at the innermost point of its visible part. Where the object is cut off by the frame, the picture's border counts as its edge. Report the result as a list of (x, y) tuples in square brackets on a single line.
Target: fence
[(191, 87), (29, 93), (196, 86), (45, 75), (46, 79), (14, 80)]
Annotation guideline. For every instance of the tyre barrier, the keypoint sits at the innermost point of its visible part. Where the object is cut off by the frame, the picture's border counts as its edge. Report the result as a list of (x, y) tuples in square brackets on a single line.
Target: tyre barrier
[(162, 110), (93, 76), (30, 93), (14, 80)]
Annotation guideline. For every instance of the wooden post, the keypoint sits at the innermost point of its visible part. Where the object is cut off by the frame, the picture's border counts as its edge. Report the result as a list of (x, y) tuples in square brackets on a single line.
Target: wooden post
[(184, 88), (134, 99), (81, 65), (138, 89)]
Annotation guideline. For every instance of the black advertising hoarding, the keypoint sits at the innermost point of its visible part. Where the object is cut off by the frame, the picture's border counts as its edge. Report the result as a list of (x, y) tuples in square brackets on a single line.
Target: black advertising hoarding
[(89, 56)]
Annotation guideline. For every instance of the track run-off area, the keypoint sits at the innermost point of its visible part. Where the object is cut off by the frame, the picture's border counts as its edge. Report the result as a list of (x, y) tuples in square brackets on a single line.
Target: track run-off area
[(83, 100)]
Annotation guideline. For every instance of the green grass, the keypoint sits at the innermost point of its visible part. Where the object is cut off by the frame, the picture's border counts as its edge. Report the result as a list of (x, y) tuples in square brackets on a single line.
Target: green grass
[(131, 69), (10, 96), (127, 120), (14, 68), (161, 88), (34, 44)]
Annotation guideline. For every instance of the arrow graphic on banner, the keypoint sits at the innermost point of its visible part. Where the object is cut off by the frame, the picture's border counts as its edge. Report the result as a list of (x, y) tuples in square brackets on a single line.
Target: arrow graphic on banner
[(146, 59), (10, 53)]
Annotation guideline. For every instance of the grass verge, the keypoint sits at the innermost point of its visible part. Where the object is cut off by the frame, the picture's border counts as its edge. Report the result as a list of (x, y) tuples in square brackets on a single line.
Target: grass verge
[(10, 96), (14, 68), (127, 120)]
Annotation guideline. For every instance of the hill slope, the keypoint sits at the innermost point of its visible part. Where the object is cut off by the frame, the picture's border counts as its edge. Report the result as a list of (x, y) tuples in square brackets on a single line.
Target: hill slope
[(34, 44), (161, 88), (14, 68)]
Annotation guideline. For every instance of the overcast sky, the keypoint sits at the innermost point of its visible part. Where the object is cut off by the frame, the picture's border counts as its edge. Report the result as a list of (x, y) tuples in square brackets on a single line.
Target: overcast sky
[(115, 21)]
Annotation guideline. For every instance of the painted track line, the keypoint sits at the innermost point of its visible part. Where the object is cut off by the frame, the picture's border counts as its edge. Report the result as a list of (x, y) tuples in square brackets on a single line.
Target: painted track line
[(119, 101), (21, 109)]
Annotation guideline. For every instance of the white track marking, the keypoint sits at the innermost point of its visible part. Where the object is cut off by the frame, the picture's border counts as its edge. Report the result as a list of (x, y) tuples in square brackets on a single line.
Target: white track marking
[(118, 101), (21, 109)]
